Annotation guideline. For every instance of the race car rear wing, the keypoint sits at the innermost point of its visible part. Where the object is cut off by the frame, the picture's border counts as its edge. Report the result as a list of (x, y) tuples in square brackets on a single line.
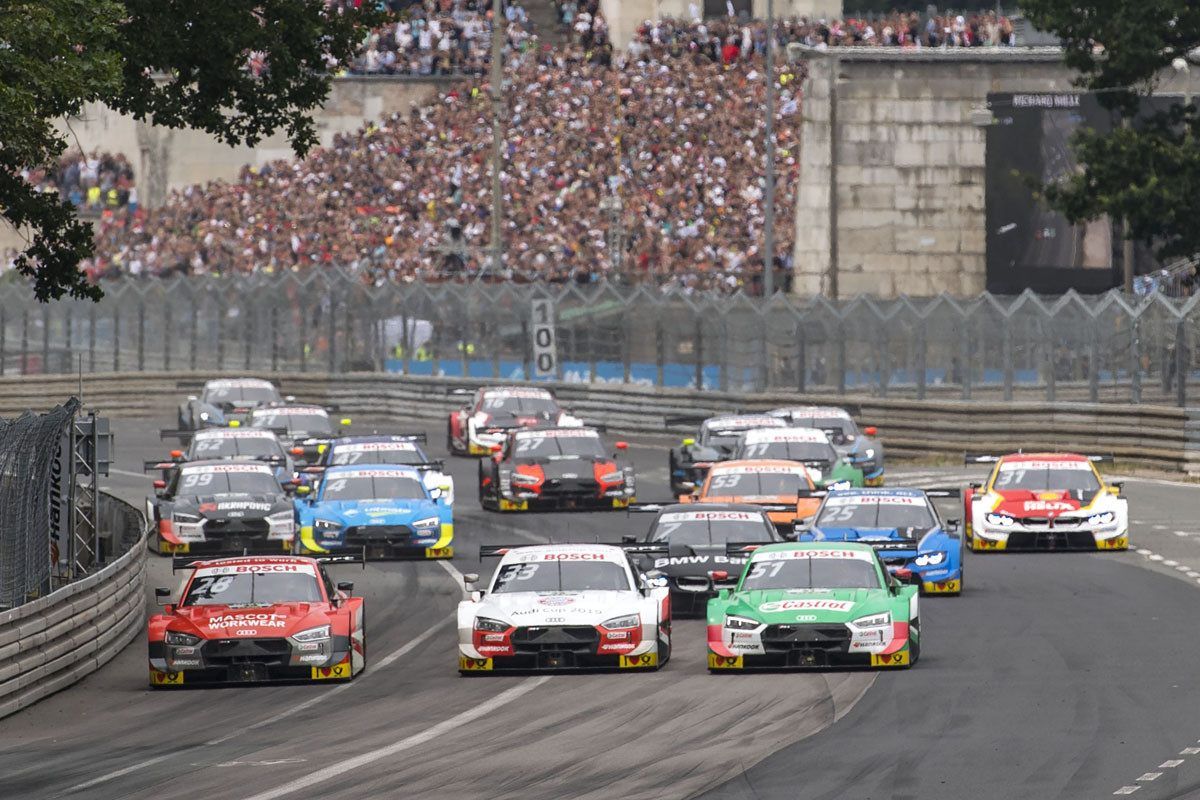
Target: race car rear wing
[(952, 491), (182, 435), (744, 548), (646, 548), (685, 419), (498, 550), (437, 465), (152, 466), (187, 562)]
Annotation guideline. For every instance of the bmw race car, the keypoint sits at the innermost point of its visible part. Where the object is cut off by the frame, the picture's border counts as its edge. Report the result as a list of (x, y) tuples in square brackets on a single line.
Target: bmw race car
[(563, 606), (240, 444), (783, 489), (250, 620), (695, 563), (858, 446), (715, 441), (1044, 501), (385, 508), (221, 507), (225, 400), (495, 411), (813, 604), (809, 446), (555, 468), (903, 526), (304, 429), (404, 449)]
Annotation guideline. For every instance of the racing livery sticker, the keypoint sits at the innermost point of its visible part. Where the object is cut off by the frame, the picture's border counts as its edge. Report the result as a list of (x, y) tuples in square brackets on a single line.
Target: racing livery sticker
[(805, 605)]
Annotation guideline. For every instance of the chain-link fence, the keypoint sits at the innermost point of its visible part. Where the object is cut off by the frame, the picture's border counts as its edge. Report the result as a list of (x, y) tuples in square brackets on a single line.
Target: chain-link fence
[(1107, 348), (33, 477)]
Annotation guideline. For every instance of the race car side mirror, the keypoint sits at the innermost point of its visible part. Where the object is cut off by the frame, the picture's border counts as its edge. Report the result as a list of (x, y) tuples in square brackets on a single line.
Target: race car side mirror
[(176, 454), (622, 445), (470, 579), (688, 442), (628, 538), (161, 595), (345, 586), (159, 485), (975, 485), (303, 490), (192, 397), (291, 398), (233, 423), (297, 451), (870, 430), (495, 448), (1117, 487), (718, 575), (345, 422), (953, 523)]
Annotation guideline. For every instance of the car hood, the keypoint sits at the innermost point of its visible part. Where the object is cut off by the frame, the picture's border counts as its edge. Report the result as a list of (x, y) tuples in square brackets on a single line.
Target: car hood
[(795, 605), (693, 560), (584, 467), (264, 622), (379, 512), (1023, 503), (558, 608), (227, 506)]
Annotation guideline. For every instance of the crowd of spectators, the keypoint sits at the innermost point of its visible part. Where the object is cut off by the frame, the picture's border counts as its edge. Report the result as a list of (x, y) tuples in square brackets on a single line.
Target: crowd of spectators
[(95, 181), (678, 138)]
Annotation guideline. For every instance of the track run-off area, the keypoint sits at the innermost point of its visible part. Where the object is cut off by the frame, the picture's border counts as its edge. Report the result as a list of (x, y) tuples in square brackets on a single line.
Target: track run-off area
[(1066, 675)]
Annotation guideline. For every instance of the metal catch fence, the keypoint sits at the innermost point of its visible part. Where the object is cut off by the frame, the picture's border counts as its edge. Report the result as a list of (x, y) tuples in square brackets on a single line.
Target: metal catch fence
[(1103, 348), (33, 479)]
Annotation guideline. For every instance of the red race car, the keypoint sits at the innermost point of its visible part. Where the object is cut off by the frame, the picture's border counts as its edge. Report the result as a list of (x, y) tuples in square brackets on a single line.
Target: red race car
[(253, 619), (495, 411)]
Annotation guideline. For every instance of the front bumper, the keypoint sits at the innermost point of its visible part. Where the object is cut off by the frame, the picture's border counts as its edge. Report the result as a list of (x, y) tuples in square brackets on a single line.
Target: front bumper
[(557, 661), (807, 646), (232, 544), (1047, 538), (384, 542), (808, 659), (218, 661)]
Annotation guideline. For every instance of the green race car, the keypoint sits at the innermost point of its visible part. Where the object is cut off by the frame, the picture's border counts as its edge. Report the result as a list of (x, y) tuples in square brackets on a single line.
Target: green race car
[(810, 446), (813, 604)]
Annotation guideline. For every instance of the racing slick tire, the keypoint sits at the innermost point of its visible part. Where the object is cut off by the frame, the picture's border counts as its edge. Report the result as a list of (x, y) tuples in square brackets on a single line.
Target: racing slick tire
[(451, 448), (487, 499), (915, 645), (664, 650)]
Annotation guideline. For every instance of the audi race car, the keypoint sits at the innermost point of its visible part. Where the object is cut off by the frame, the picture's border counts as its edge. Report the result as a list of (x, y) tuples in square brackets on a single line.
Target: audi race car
[(1044, 501), (223, 401), (232, 444), (695, 564), (716, 441), (386, 508), (221, 507), (495, 411), (859, 447), (404, 449), (305, 430), (555, 468), (809, 446), (564, 606), (242, 620), (781, 488), (903, 526), (813, 604)]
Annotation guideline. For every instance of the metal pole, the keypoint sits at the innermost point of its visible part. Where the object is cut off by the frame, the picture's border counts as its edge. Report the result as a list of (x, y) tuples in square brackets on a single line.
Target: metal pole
[(769, 202), (834, 256), (497, 246)]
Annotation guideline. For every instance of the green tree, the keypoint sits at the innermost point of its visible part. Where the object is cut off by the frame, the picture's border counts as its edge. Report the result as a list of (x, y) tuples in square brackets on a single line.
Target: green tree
[(176, 63), (1146, 170)]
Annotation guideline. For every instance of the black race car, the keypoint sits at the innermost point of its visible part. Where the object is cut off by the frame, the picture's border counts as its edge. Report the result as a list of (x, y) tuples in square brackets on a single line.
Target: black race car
[(227, 444), (696, 565), (305, 430), (555, 468), (715, 441), (223, 401), (221, 507)]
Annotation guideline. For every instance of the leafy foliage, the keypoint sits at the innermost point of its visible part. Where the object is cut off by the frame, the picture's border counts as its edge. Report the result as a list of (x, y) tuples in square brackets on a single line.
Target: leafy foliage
[(176, 63)]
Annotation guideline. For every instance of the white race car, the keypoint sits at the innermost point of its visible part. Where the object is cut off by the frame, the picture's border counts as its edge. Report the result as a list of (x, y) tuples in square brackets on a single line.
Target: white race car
[(564, 606), (494, 411)]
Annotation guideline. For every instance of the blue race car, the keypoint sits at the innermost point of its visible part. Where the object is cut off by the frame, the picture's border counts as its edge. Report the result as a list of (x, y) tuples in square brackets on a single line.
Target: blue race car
[(903, 526), (385, 508), (402, 448)]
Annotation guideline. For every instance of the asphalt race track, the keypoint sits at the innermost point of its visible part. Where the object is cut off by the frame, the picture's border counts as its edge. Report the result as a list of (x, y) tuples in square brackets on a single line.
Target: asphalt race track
[(1057, 675)]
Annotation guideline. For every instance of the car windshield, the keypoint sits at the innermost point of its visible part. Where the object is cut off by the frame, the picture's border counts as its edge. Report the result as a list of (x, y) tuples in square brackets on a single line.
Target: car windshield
[(810, 573), (372, 487), (788, 451), (194, 483), (558, 446), (307, 422), (1012, 477), (904, 513), (561, 576), (838, 429), (518, 405), (252, 588), (727, 435), (401, 454), (230, 447), (240, 394), (688, 529), (755, 484)]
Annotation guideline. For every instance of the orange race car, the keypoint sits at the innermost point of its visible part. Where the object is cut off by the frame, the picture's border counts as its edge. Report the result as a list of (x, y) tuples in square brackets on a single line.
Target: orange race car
[(783, 488)]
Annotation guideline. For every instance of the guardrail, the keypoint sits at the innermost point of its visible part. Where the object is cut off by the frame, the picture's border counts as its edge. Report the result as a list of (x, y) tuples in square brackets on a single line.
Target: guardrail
[(1146, 435), (50, 643)]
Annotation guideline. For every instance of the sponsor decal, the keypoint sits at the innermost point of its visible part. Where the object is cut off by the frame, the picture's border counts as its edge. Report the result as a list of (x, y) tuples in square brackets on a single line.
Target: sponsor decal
[(439, 552), (240, 569), (247, 620), (314, 658), (230, 467), (246, 632), (474, 664), (572, 556), (241, 505), (755, 469), (1049, 505), (1116, 543), (784, 555), (231, 433), (532, 394), (560, 433), (943, 587), (1009, 465), (556, 600), (897, 659), (724, 662), (979, 543), (171, 547), (805, 605), (185, 662), (371, 472), (709, 516), (638, 662), (806, 618), (335, 672), (495, 649), (804, 435), (166, 678), (874, 500), (375, 447)]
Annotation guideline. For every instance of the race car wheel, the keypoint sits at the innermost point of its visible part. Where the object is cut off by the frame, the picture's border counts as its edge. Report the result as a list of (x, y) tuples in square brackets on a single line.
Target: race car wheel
[(914, 644), (664, 649), (487, 500)]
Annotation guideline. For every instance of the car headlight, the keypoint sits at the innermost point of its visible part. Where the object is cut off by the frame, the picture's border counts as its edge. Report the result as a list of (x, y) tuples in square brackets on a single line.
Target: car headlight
[(1103, 518), (185, 518), (1000, 520), (874, 621), (525, 480), (612, 477), (930, 559), (313, 634), (741, 623), (327, 525), (487, 624), (183, 639), (428, 522), (627, 621), (837, 485)]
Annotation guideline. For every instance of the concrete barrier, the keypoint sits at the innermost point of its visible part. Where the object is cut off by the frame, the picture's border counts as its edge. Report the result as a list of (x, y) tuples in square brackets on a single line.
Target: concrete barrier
[(50, 643)]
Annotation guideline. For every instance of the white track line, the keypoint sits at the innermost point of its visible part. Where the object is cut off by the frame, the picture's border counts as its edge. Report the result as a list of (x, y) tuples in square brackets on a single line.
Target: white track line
[(407, 743)]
